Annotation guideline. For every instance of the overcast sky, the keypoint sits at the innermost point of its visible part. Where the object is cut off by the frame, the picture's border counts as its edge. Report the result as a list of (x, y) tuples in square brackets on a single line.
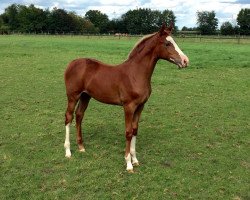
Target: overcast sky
[(184, 10)]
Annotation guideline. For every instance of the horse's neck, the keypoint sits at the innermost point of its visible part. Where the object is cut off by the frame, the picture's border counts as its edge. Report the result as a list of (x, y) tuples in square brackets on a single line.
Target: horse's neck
[(143, 65)]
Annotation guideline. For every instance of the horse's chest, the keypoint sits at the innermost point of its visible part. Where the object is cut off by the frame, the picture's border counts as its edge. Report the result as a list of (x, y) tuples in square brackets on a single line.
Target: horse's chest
[(143, 94)]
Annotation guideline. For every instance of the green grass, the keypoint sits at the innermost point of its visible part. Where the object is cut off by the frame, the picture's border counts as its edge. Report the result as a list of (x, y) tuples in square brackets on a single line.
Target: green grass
[(193, 139)]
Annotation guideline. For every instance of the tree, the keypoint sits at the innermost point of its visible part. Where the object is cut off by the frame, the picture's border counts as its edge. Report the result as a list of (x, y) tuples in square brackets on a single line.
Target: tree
[(243, 20), (24, 19), (1, 20), (11, 17), (168, 17), (144, 21), (227, 29), (31, 19), (88, 27), (3, 28), (99, 19), (139, 21), (207, 22), (237, 30), (117, 26), (60, 21)]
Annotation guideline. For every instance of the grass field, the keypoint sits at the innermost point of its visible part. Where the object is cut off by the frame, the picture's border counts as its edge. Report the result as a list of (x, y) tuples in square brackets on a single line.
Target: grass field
[(193, 139)]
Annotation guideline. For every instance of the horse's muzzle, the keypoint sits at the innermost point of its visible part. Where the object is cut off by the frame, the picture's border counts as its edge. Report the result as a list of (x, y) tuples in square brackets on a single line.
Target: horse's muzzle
[(184, 61), (181, 62)]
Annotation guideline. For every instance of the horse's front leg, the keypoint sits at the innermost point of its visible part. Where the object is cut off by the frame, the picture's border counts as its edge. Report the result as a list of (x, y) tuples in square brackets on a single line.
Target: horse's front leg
[(129, 111)]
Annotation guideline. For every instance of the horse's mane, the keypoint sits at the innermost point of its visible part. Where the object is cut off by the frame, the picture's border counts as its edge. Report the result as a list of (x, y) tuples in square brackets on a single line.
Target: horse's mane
[(139, 46)]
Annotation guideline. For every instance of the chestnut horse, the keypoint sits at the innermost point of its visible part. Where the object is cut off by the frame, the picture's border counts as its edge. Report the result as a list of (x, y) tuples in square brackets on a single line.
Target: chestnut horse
[(127, 84)]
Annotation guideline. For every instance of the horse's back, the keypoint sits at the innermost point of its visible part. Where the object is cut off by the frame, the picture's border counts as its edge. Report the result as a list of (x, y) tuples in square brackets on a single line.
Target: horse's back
[(82, 73), (98, 80), (79, 65)]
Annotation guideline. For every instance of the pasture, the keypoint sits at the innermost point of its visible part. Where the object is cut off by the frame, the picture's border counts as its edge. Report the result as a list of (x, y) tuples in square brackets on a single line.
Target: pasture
[(193, 140)]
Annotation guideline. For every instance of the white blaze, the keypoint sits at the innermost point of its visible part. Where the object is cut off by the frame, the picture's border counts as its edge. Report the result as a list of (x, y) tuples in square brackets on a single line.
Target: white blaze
[(170, 39), (184, 58)]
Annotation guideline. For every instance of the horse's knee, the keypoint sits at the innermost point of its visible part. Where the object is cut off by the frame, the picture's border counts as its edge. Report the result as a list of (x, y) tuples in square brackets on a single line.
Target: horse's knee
[(135, 130), (129, 135), (68, 117)]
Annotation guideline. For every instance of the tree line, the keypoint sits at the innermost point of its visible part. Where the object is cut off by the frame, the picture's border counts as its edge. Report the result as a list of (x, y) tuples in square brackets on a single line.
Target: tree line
[(208, 23), (30, 19)]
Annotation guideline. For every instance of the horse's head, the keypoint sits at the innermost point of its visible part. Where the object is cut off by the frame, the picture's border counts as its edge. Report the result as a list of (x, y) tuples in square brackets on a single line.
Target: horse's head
[(169, 50)]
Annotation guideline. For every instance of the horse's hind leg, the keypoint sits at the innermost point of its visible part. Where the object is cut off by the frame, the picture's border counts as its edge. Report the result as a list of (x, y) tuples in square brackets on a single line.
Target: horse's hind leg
[(68, 119), (135, 123), (82, 106)]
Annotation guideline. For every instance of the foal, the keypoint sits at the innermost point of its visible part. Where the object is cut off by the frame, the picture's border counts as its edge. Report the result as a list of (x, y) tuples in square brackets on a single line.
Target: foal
[(127, 84)]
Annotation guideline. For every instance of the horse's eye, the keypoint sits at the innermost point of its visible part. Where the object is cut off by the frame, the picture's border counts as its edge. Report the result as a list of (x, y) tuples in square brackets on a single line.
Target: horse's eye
[(167, 43)]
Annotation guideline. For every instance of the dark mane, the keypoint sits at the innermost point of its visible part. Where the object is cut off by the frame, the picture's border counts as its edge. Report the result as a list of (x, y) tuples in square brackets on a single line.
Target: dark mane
[(139, 46)]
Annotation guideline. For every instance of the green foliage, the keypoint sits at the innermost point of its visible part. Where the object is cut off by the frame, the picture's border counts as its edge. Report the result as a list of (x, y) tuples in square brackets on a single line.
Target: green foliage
[(193, 140), (88, 27), (243, 20), (136, 20), (227, 29), (4, 29), (207, 22), (117, 26), (61, 21), (34, 20), (99, 20), (11, 17), (29, 19), (168, 17), (144, 21), (1, 20)]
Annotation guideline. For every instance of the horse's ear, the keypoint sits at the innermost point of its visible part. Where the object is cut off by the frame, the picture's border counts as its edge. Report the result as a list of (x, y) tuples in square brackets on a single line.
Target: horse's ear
[(170, 28), (163, 29)]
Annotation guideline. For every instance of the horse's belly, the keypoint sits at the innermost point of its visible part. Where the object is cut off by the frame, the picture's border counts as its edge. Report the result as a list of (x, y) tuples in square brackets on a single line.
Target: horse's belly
[(105, 95), (108, 99)]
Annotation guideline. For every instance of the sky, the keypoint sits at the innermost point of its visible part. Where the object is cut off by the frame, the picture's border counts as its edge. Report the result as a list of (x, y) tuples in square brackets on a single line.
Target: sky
[(184, 10)]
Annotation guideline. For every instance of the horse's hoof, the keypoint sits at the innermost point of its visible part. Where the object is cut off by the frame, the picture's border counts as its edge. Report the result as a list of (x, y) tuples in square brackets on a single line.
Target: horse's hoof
[(130, 171), (68, 153), (67, 156), (136, 164), (82, 150)]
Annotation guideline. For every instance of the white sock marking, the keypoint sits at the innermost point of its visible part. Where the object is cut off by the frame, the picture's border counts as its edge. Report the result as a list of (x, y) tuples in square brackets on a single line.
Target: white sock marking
[(129, 164), (133, 151), (67, 141)]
